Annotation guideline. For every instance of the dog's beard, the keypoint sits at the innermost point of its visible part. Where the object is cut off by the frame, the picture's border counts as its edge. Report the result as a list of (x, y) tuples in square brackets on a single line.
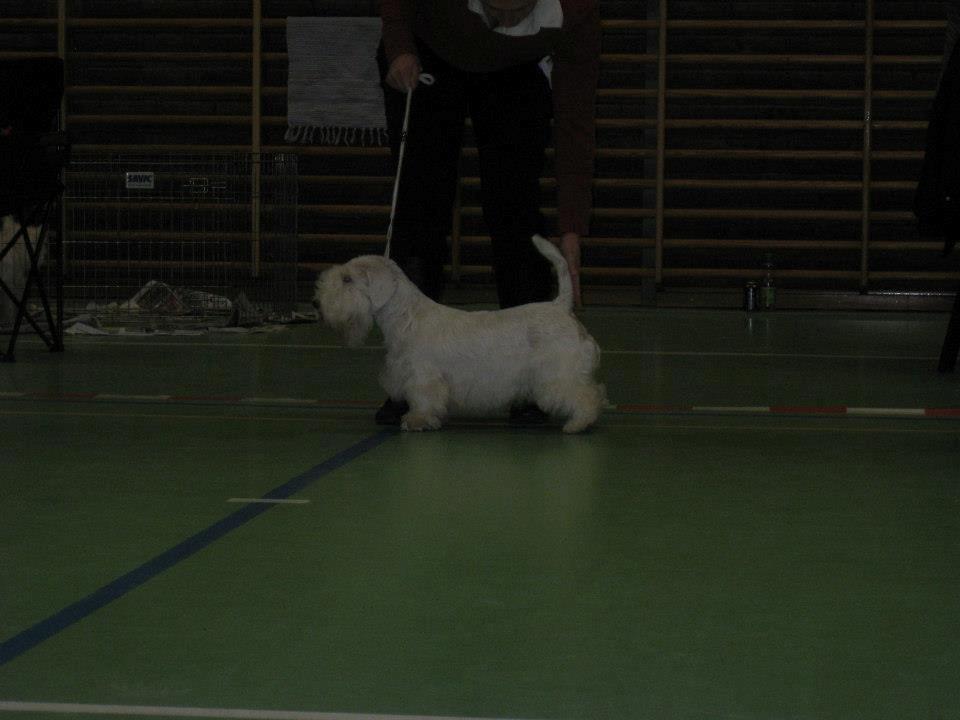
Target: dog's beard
[(349, 314)]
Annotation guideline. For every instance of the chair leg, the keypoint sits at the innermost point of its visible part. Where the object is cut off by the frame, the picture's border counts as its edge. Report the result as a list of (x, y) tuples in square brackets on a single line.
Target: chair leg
[(53, 335), (951, 343)]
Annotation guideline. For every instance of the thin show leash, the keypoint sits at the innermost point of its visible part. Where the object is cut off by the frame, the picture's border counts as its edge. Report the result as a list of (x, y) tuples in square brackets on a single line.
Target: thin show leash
[(426, 79)]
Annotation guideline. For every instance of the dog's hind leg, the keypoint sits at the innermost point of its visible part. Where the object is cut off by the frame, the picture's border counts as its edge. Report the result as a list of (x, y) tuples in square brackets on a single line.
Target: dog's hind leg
[(580, 403), (587, 404)]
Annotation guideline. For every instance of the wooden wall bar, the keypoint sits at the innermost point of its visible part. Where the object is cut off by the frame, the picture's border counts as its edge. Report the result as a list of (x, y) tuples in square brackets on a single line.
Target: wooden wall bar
[(730, 133)]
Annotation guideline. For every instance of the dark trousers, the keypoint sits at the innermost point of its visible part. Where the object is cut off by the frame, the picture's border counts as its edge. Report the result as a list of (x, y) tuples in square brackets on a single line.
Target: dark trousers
[(511, 111)]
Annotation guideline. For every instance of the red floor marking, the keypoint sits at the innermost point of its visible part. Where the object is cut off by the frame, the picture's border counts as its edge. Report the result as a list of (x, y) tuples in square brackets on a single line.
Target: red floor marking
[(627, 408), (809, 409)]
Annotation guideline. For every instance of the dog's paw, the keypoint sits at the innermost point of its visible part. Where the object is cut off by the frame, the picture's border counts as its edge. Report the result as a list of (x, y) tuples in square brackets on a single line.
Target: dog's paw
[(414, 422), (576, 426)]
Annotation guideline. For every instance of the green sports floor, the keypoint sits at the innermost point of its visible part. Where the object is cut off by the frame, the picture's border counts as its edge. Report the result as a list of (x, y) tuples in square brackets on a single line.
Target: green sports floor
[(764, 526)]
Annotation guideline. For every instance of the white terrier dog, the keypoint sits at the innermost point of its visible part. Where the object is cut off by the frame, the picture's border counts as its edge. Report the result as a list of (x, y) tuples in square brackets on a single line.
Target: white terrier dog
[(443, 361)]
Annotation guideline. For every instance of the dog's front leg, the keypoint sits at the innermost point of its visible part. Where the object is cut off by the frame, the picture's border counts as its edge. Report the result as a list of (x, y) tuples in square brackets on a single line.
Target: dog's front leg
[(428, 400), (416, 422)]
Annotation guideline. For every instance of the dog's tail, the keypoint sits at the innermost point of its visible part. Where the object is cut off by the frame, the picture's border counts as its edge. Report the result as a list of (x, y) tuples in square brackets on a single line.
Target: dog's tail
[(564, 286)]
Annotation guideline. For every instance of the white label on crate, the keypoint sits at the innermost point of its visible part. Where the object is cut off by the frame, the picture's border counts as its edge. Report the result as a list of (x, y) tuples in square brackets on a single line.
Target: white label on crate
[(139, 181)]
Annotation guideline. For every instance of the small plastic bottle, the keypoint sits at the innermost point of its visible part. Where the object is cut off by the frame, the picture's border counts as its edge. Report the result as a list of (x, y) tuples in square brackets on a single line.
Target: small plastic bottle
[(751, 297), (768, 291)]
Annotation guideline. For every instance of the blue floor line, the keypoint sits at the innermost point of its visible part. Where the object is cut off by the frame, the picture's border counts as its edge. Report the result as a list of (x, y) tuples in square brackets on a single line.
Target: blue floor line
[(45, 629)]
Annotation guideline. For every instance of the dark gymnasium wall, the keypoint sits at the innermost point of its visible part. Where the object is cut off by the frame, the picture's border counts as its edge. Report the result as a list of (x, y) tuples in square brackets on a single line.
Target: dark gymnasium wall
[(730, 134)]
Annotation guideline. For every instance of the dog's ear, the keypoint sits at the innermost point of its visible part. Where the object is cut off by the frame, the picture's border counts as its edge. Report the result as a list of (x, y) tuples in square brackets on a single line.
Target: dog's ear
[(379, 280), (355, 331)]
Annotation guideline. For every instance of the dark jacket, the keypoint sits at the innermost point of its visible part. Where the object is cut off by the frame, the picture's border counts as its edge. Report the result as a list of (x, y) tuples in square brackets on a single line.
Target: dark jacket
[(463, 40), (937, 201)]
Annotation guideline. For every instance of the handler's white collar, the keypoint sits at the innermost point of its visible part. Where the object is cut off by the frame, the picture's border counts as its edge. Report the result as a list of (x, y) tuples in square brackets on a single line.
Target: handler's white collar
[(546, 14)]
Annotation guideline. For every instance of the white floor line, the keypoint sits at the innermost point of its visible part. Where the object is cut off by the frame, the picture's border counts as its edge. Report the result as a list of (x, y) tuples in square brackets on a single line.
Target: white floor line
[(191, 712), (268, 501)]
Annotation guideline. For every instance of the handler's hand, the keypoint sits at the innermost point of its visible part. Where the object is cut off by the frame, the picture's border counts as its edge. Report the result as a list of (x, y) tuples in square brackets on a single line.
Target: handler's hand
[(404, 72), (570, 248)]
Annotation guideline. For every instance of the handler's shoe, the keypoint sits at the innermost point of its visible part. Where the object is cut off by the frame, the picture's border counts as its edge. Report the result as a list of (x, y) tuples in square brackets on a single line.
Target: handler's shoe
[(391, 412)]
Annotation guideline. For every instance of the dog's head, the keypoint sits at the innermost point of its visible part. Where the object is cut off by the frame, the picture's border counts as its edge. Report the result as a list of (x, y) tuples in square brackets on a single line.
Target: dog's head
[(348, 296)]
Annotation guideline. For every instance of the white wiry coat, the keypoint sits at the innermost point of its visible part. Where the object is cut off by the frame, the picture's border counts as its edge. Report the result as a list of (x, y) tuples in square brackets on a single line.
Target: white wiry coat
[(444, 361)]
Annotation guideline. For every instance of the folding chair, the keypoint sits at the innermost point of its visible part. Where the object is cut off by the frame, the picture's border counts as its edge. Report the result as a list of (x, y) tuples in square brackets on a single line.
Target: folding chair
[(33, 153)]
